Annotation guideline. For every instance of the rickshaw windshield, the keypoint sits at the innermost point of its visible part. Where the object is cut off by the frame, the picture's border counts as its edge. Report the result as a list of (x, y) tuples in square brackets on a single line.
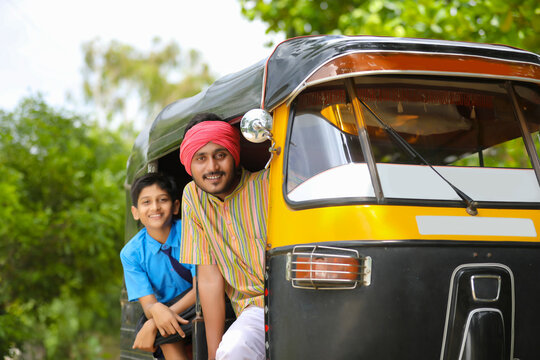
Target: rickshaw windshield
[(468, 130)]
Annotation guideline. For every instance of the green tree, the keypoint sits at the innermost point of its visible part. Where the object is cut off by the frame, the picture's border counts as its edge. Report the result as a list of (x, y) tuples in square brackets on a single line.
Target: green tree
[(118, 77), (62, 209), (510, 22)]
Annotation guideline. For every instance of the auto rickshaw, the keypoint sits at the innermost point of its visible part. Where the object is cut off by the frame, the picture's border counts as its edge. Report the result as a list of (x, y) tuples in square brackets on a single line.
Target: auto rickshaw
[(404, 195)]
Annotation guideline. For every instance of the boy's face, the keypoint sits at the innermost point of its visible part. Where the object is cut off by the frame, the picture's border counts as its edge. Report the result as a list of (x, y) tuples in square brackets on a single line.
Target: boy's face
[(155, 208), (213, 170)]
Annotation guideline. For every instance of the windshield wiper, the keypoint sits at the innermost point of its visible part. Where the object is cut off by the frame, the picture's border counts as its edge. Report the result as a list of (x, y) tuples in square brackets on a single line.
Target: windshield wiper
[(471, 205)]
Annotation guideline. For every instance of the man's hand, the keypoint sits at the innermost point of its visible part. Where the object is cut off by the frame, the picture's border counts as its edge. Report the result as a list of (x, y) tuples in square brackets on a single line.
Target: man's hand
[(146, 337), (167, 322)]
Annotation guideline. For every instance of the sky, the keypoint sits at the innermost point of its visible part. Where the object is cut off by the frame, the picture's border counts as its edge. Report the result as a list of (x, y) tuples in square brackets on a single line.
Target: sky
[(41, 40)]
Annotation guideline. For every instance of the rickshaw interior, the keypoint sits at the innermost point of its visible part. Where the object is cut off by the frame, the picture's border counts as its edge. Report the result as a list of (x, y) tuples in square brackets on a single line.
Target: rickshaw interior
[(467, 128)]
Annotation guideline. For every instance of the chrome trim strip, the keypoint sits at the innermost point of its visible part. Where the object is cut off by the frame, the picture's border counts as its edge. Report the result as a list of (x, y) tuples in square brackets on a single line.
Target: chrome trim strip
[(450, 293), (368, 262), (465, 331), (476, 298), (313, 253), (288, 267)]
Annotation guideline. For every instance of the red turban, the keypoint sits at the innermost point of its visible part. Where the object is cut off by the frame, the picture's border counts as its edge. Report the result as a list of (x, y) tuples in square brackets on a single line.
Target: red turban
[(218, 132)]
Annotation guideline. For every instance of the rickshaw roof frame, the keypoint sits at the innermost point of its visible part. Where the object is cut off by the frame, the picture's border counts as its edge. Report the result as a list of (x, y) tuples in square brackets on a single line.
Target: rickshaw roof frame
[(309, 82), (276, 79)]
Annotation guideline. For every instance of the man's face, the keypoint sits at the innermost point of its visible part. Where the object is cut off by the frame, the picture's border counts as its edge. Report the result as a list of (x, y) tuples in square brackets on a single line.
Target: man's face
[(213, 170)]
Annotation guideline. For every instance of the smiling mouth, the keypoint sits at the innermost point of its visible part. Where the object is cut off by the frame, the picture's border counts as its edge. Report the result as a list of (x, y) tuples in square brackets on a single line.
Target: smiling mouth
[(213, 176)]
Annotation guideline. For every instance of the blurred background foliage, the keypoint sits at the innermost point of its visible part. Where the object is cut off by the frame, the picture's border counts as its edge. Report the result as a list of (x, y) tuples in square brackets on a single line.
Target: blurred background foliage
[(62, 202), (509, 22), (123, 83), (62, 213)]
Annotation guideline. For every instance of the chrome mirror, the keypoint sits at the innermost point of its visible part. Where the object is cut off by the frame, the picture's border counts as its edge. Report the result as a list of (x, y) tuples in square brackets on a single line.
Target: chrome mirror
[(256, 125)]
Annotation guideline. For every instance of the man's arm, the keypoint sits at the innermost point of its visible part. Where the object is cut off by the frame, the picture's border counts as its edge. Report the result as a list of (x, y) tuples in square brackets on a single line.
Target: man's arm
[(212, 294)]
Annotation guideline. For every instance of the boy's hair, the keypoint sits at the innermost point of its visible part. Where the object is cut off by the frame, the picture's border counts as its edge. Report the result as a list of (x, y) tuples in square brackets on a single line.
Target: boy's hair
[(164, 181), (199, 118)]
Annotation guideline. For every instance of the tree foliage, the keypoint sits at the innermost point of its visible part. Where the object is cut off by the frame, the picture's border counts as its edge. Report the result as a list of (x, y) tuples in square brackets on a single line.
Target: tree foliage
[(118, 77), (62, 203), (62, 211), (510, 22)]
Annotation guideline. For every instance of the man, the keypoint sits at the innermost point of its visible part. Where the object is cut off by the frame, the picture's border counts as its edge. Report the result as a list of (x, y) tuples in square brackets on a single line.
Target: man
[(224, 212)]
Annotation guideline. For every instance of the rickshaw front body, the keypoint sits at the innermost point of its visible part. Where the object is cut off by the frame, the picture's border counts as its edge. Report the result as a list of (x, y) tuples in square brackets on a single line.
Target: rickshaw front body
[(404, 196), (405, 205)]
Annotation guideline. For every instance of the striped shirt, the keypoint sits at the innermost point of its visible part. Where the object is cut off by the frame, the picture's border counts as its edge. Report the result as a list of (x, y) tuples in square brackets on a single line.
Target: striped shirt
[(231, 234)]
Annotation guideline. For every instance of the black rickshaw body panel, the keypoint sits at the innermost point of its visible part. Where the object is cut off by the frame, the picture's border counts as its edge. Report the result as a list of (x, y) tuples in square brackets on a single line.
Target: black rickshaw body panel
[(403, 313)]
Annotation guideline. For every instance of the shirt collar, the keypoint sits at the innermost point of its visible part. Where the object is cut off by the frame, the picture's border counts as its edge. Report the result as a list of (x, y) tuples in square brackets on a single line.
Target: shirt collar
[(155, 245)]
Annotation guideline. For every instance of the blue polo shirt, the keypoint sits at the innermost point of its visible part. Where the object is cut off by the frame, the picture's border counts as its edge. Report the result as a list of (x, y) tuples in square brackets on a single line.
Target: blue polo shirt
[(148, 270)]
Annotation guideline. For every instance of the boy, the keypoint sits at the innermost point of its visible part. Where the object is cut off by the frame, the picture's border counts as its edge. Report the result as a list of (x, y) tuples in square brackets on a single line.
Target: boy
[(152, 274)]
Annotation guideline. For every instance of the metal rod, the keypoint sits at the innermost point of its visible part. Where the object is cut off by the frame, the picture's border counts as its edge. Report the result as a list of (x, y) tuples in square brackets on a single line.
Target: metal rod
[(529, 144), (364, 141)]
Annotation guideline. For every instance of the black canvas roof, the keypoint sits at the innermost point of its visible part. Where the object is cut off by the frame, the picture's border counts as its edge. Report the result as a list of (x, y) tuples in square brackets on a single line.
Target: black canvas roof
[(269, 82)]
